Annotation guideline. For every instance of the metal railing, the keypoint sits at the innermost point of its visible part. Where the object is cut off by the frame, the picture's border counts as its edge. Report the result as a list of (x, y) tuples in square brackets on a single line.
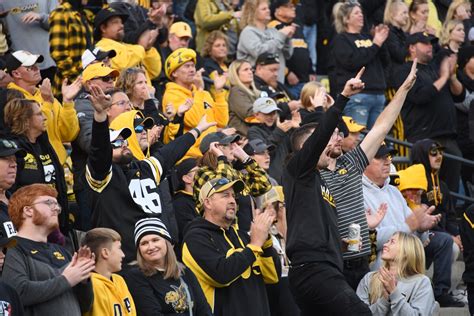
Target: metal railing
[(401, 159)]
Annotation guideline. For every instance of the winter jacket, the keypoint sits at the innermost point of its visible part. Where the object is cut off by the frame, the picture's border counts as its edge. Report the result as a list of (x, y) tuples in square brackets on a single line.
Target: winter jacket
[(398, 50)]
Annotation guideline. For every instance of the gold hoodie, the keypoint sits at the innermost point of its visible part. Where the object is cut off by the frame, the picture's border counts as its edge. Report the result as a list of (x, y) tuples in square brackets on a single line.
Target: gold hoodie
[(111, 297), (126, 120), (216, 111)]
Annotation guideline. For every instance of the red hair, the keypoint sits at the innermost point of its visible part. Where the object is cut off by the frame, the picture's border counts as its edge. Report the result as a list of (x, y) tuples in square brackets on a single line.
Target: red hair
[(26, 196)]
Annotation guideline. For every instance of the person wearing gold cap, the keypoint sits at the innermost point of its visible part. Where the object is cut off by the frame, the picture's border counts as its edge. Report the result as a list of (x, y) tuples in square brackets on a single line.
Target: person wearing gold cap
[(351, 141), (187, 84)]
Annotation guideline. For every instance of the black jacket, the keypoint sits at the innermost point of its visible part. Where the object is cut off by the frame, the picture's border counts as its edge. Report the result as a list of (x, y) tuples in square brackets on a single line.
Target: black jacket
[(123, 194), (427, 112), (438, 192), (354, 51), (281, 95), (273, 136), (230, 272), (313, 235), (398, 51), (32, 171), (467, 236)]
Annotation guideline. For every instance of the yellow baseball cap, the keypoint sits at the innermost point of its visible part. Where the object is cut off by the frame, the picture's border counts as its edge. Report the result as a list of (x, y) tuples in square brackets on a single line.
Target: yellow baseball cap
[(352, 125), (413, 177), (181, 29), (218, 185), (98, 70), (177, 58)]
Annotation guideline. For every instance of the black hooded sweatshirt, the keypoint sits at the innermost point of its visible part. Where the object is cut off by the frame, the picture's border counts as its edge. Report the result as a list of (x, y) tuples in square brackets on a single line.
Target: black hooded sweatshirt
[(438, 192)]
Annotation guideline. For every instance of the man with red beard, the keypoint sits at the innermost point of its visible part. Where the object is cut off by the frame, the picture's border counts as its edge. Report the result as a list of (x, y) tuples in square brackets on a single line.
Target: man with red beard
[(47, 278), (343, 176)]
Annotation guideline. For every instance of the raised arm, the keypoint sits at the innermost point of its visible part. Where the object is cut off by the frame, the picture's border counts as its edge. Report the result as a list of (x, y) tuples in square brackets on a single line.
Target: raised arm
[(306, 159), (386, 119)]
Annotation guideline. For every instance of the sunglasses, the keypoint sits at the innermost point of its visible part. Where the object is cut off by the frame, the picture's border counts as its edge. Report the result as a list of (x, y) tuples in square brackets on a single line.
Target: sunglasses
[(105, 79), (220, 182), (435, 151), (139, 129), (119, 143)]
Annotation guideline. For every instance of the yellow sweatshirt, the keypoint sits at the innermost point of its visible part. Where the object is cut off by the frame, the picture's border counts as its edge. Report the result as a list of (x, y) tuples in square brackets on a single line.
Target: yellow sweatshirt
[(129, 55), (62, 124), (111, 297), (126, 120), (216, 111)]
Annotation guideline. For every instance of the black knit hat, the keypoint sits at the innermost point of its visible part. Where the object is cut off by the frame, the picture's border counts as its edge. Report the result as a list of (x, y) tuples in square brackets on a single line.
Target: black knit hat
[(152, 225)]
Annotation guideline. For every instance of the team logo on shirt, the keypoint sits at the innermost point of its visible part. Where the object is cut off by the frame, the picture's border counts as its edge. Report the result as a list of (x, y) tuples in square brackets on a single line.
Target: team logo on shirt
[(364, 43), (342, 171), (207, 105), (58, 255), (327, 196), (177, 298), (5, 308)]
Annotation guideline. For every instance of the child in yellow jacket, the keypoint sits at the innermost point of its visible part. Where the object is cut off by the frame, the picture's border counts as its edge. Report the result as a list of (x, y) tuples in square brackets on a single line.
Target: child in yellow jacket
[(111, 294)]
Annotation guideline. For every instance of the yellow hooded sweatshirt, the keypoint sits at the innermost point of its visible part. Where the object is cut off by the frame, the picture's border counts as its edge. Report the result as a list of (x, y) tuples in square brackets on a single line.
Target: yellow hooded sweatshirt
[(111, 296), (62, 124), (126, 120), (129, 55), (216, 111)]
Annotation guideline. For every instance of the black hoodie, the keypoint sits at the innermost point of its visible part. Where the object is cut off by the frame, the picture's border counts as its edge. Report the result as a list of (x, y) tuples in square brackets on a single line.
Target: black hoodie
[(438, 192), (231, 273)]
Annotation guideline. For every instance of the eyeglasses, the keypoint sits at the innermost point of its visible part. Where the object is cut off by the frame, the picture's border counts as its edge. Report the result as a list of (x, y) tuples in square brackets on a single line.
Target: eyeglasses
[(119, 143), (122, 103), (435, 151), (53, 205), (220, 182), (139, 129), (105, 79), (336, 134)]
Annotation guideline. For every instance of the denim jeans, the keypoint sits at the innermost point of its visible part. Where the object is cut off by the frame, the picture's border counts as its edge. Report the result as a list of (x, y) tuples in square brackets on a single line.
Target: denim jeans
[(365, 108), (440, 252), (310, 33)]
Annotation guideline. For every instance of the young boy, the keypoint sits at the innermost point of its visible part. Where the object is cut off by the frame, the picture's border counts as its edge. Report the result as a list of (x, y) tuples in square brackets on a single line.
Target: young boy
[(111, 295)]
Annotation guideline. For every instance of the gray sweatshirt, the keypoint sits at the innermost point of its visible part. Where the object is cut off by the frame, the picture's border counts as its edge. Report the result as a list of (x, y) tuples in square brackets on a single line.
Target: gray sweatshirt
[(413, 296), (253, 42), (32, 37), (34, 270)]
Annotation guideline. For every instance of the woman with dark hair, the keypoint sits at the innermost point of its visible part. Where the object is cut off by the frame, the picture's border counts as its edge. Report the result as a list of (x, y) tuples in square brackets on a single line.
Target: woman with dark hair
[(160, 285), (27, 126), (215, 56)]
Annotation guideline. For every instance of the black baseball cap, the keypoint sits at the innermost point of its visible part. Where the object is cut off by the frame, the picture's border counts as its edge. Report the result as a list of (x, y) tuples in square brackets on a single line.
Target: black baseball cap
[(421, 37), (105, 14), (267, 59), (96, 55), (20, 58), (257, 146), (384, 150), (9, 148), (147, 122), (219, 137), (278, 3), (185, 167)]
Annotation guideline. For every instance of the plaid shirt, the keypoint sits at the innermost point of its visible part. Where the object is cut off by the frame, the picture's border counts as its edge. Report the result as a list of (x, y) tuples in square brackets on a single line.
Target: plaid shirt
[(70, 34), (255, 179)]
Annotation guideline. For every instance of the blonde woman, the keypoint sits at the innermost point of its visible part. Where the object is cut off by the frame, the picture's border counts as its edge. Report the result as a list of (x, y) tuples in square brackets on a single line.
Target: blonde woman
[(256, 38), (396, 17), (459, 10), (314, 96), (159, 284), (133, 82), (419, 12), (400, 286), (354, 49), (242, 94), (452, 35)]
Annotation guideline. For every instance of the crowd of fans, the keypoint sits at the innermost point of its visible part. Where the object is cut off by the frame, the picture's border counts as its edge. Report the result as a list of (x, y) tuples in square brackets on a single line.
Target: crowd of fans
[(198, 157)]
